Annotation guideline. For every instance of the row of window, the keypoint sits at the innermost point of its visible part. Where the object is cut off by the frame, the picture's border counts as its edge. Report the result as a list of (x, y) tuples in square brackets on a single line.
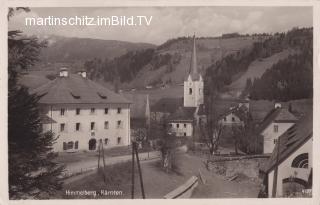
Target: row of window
[(92, 126), (178, 125), (70, 145), (190, 91), (92, 111), (75, 145), (233, 119)]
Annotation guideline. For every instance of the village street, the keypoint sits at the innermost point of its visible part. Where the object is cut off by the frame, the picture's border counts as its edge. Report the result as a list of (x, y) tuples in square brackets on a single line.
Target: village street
[(89, 161), (158, 183)]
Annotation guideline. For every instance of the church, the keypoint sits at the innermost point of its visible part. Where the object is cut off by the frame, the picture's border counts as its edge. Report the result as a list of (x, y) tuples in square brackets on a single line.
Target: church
[(183, 120)]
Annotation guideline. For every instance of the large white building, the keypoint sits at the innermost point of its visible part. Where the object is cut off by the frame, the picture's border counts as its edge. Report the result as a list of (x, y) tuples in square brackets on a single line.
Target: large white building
[(288, 172), (82, 113)]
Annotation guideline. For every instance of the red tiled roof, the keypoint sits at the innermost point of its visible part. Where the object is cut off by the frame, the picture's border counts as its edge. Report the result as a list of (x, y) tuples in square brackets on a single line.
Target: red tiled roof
[(289, 142), (76, 89)]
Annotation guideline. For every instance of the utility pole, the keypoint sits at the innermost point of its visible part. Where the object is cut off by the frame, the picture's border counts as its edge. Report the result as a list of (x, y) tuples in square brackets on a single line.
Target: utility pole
[(101, 152), (132, 173), (275, 175), (139, 169)]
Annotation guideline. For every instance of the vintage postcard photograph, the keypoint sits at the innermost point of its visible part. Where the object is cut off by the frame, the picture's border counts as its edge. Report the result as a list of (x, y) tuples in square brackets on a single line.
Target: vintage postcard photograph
[(199, 102)]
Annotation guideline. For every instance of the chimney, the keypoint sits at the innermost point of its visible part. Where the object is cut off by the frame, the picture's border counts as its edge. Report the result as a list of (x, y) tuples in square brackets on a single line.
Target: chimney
[(83, 73), (277, 105), (63, 72)]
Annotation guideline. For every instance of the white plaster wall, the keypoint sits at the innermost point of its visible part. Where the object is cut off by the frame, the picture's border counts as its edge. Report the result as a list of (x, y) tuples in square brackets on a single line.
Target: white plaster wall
[(181, 130), (285, 170), (269, 135), (85, 118), (229, 121), (196, 98)]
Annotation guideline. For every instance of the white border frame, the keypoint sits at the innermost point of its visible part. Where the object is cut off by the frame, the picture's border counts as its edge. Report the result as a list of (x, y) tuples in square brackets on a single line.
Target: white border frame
[(147, 3)]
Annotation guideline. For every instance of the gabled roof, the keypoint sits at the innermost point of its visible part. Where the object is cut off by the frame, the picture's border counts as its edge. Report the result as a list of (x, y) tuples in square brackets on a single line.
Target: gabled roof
[(289, 142), (167, 105), (75, 89), (240, 111), (139, 106), (193, 69), (279, 115), (183, 114)]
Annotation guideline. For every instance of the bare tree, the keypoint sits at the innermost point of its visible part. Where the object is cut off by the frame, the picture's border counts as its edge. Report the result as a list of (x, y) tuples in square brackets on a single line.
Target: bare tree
[(238, 133), (211, 130)]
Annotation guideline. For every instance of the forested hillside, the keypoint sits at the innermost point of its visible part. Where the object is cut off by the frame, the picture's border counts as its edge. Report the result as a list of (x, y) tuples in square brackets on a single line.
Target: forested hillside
[(291, 78), (277, 80), (167, 63)]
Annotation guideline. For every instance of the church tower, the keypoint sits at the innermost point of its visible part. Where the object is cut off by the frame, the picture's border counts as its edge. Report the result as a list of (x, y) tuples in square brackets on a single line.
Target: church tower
[(193, 82)]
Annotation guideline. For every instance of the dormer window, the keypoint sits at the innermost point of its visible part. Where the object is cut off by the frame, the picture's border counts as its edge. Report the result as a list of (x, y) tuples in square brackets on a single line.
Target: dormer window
[(75, 95), (101, 95)]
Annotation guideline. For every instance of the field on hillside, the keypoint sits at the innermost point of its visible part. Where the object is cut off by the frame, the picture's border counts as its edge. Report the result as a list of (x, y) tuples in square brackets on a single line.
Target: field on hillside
[(156, 94), (208, 51), (256, 70)]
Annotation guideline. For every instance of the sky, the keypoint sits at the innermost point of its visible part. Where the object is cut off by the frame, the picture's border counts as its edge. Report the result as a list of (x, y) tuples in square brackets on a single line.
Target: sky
[(169, 22)]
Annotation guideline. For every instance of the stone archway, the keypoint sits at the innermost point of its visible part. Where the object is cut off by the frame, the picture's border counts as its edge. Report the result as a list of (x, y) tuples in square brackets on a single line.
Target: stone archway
[(292, 186), (92, 144)]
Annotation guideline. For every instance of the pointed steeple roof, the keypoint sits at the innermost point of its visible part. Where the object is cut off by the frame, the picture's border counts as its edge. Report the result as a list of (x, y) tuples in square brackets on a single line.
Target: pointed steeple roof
[(193, 69)]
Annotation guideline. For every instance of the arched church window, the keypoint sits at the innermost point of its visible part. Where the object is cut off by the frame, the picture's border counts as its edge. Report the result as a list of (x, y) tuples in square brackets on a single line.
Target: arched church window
[(190, 91), (301, 161)]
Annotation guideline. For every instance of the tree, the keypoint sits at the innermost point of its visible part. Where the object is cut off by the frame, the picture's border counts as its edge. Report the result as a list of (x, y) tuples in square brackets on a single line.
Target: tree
[(211, 130), (168, 145), (32, 170), (237, 133)]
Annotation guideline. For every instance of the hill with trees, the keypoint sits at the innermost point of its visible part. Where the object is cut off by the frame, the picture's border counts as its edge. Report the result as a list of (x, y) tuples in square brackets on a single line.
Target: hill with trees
[(69, 50), (232, 66)]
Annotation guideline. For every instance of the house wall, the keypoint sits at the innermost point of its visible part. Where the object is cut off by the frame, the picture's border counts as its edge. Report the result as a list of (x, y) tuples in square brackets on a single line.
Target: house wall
[(285, 170), (184, 129), (228, 120), (196, 98), (85, 118), (269, 135)]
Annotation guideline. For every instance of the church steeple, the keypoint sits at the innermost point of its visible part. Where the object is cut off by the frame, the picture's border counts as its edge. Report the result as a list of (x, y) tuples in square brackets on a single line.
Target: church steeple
[(193, 83), (193, 69)]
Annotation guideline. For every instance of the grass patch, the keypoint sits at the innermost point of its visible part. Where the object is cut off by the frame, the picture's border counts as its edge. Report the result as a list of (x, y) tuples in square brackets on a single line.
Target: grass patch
[(117, 181)]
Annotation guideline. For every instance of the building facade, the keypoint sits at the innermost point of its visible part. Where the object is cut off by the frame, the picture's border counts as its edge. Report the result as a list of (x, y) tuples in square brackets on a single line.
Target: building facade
[(182, 128), (289, 169), (83, 113), (274, 125)]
